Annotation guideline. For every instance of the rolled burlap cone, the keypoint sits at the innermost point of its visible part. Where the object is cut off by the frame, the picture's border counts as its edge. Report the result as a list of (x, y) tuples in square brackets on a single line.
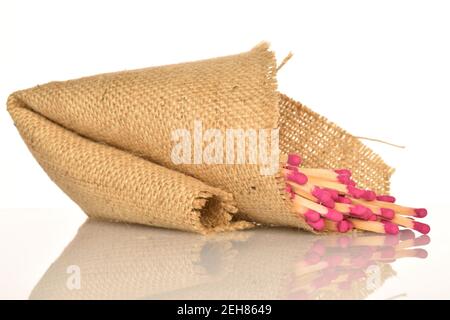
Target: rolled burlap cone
[(107, 141)]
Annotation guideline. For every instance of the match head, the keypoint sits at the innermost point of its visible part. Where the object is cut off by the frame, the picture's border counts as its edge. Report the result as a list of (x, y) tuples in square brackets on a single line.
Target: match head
[(334, 215), (360, 211), (294, 160), (291, 168), (323, 197), (345, 200), (333, 193), (343, 226), (312, 215), (421, 227), (345, 172), (318, 225), (297, 177), (355, 192), (386, 198), (391, 228), (387, 213), (372, 217), (421, 212), (344, 179), (328, 203), (369, 195), (290, 191)]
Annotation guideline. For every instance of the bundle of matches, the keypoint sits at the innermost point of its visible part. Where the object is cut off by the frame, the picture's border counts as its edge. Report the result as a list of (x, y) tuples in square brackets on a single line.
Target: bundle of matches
[(330, 200)]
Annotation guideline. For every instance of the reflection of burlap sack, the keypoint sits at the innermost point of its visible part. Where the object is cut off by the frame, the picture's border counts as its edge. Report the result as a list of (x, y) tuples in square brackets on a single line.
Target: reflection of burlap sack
[(106, 141), (119, 261)]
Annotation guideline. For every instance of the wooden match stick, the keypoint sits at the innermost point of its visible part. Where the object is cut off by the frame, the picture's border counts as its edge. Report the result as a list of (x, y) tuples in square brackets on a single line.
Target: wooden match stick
[(366, 210), (342, 226), (406, 211), (412, 224), (312, 193), (328, 175), (375, 226), (325, 212)]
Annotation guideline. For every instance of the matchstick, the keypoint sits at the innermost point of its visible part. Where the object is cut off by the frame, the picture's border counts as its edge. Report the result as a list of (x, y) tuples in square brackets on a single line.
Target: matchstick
[(330, 214), (375, 226)]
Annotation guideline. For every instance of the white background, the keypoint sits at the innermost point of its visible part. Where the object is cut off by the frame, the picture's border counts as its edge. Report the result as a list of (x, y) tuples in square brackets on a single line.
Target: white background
[(379, 69)]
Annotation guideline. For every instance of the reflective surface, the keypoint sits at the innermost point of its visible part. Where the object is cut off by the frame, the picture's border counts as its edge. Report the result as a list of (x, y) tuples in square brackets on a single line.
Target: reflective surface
[(116, 261)]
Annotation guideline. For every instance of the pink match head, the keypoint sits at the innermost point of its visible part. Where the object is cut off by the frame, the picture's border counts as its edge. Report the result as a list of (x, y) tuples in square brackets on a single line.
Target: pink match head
[(317, 192), (334, 215), (421, 227), (292, 168), (312, 216), (355, 192), (344, 179), (297, 177), (290, 191), (386, 198), (318, 225), (345, 172), (333, 193), (372, 217), (328, 203), (345, 200), (387, 213), (351, 183), (358, 211), (323, 197), (369, 195), (421, 212), (343, 226), (390, 228), (294, 160)]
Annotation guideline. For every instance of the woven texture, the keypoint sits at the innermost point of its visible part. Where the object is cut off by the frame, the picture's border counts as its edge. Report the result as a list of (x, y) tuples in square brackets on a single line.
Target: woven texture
[(106, 141), (323, 144)]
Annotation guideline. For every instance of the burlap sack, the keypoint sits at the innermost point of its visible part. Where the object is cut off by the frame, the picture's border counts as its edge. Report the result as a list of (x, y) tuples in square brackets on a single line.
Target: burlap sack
[(106, 141)]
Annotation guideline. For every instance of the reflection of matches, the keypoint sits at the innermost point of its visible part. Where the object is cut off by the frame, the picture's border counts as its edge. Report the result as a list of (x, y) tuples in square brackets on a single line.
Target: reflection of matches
[(351, 266), (330, 200)]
